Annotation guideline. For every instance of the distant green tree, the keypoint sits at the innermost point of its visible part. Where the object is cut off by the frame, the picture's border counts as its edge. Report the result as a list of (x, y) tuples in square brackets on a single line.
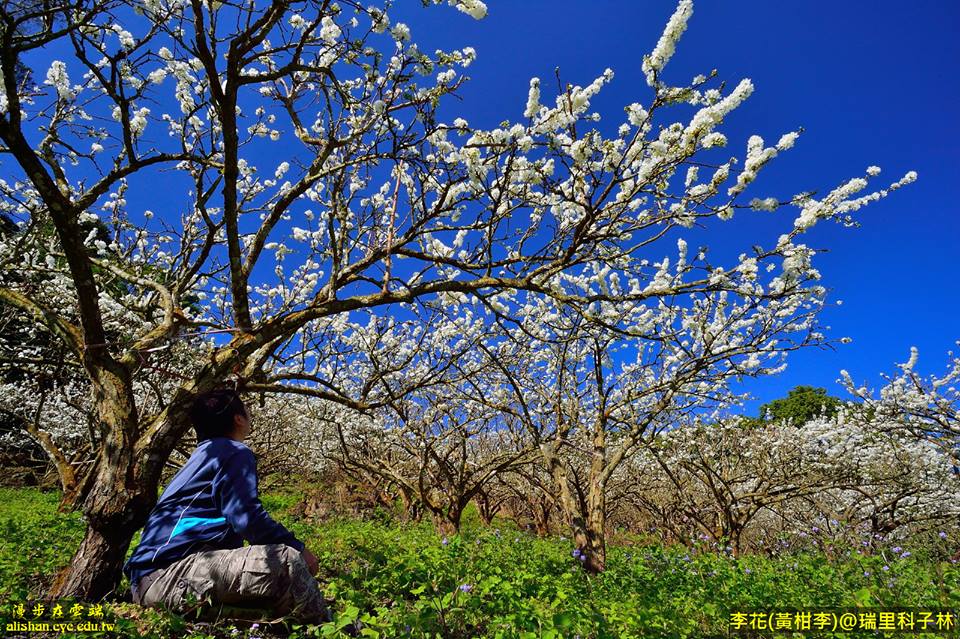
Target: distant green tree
[(801, 404)]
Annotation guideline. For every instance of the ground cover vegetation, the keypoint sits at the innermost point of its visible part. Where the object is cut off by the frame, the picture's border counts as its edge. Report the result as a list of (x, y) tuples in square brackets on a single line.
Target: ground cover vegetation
[(442, 323), (402, 579)]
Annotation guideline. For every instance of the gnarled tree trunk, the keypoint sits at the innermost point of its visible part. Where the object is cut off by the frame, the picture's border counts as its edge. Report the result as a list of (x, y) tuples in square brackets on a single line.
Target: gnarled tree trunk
[(119, 491)]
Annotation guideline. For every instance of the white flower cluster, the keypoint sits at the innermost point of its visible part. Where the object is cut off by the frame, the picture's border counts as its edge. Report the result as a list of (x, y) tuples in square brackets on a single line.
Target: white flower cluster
[(126, 38), (839, 202), (654, 63), (329, 31), (703, 123), (473, 8), (297, 22), (379, 18), (757, 157), (925, 407), (533, 99), (57, 77)]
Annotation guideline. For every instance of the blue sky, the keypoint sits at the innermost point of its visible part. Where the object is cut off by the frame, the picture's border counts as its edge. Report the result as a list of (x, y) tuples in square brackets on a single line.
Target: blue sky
[(870, 83)]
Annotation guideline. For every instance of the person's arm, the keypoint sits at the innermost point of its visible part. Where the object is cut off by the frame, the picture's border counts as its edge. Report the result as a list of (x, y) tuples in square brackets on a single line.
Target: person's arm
[(235, 491)]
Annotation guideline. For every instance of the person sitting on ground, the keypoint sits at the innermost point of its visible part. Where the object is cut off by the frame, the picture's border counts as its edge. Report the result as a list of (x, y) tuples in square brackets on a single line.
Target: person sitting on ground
[(192, 543)]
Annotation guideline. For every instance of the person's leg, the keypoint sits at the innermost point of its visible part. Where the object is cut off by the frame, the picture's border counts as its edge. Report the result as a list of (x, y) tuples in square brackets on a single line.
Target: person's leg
[(179, 584), (273, 576)]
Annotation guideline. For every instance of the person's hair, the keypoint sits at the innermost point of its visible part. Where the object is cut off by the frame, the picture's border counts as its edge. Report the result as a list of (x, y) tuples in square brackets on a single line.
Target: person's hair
[(212, 413)]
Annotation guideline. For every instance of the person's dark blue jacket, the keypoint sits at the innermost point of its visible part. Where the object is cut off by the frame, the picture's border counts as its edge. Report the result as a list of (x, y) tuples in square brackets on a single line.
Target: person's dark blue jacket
[(211, 504)]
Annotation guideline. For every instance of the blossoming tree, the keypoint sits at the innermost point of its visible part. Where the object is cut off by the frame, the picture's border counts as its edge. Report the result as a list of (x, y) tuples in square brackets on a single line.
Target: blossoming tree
[(379, 211), (924, 408)]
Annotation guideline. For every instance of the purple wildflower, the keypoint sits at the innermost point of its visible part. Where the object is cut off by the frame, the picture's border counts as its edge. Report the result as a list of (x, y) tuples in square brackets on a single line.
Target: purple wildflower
[(466, 587), (885, 568), (444, 541), (866, 573), (896, 549), (943, 535), (906, 553), (747, 570)]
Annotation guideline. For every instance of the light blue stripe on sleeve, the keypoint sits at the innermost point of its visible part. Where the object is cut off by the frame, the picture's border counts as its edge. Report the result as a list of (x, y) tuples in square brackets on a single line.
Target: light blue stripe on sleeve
[(189, 522)]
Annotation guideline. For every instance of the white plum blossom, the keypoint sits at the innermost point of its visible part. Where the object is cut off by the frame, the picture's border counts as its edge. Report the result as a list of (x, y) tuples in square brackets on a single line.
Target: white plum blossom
[(57, 78), (703, 122), (714, 139), (666, 45), (297, 22), (329, 30), (787, 140), (533, 99), (381, 22), (446, 77), (126, 38), (474, 8), (139, 121), (765, 204), (839, 202), (157, 76), (400, 32), (636, 114)]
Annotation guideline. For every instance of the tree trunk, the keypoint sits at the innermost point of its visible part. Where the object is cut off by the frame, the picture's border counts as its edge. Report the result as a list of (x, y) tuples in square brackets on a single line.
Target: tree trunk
[(447, 523), (590, 537), (486, 508), (586, 514), (114, 508), (120, 489), (94, 572), (412, 507), (114, 503), (541, 509)]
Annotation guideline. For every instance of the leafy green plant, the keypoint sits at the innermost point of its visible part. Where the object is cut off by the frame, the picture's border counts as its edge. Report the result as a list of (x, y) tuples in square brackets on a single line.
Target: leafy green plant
[(393, 580)]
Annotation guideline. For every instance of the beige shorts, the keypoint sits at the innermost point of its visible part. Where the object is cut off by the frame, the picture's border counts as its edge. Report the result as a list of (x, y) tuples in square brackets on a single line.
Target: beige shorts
[(272, 577)]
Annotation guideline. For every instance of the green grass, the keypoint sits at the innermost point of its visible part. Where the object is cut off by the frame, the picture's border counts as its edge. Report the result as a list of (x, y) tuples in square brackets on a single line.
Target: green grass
[(402, 581)]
